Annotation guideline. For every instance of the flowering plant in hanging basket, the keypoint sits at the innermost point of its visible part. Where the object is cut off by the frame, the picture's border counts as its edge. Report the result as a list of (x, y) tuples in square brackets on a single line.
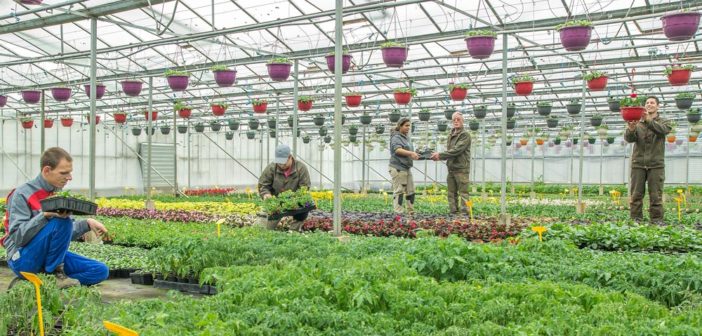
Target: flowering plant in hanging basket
[(404, 95), (424, 114), (27, 122), (120, 117), (61, 93), (219, 108), (632, 107), (353, 99), (154, 115), (253, 124), (99, 90), (523, 85), (224, 77), (304, 103), (233, 124), (575, 34), (183, 109), (345, 61), (683, 100), (177, 80), (394, 54), (596, 80), (131, 88), (366, 119), (680, 26), (394, 116), (48, 123), (679, 75), (259, 105), (66, 121), (458, 92), (279, 68), (480, 43)]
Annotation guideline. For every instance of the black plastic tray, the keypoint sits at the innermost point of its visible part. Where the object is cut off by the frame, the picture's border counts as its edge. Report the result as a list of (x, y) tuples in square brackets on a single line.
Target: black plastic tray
[(292, 212), (425, 155), (186, 287), (75, 206), (142, 278)]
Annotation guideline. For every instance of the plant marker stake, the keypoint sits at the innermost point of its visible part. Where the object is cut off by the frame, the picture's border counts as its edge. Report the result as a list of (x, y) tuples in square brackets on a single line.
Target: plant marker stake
[(469, 205), (385, 195), (682, 196), (678, 200), (540, 230), (219, 227), (118, 329), (31, 277)]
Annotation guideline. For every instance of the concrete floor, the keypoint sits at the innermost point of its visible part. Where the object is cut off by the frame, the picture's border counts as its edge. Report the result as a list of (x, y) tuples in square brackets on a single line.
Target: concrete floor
[(111, 290)]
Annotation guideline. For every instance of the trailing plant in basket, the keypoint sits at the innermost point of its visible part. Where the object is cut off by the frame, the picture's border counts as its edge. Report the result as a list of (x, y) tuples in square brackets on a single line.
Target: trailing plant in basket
[(457, 86), (179, 105), (392, 44), (171, 72), (481, 32), (685, 95), (669, 69), (411, 91), (220, 104), (280, 60), (594, 74), (219, 68), (574, 23), (259, 101), (304, 99), (522, 78), (26, 119)]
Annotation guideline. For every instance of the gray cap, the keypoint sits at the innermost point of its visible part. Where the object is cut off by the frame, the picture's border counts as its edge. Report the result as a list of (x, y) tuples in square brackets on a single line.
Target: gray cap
[(282, 152)]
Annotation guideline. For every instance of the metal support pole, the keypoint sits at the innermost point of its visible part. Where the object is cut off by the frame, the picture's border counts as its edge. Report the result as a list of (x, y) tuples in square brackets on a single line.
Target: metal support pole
[(149, 132), (295, 96), (190, 139), (42, 113), (687, 168), (277, 119), (503, 120), (601, 161), (363, 162), (260, 161), (93, 126), (533, 150), (580, 207), (175, 155), (482, 126), (338, 53), (321, 162)]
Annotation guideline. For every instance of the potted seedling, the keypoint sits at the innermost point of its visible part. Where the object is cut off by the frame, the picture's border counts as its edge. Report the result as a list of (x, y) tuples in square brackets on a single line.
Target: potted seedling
[(64, 201), (394, 54), (259, 105), (304, 103), (224, 77), (683, 100), (177, 80), (693, 115), (543, 107), (345, 61), (219, 108), (279, 68), (458, 92), (575, 34), (480, 43), (480, 111), (184, 111), (596, 80), (233, 124), (632, 107), (596, 120), (680, 26), (679, 75), (523, 85), (353, 99), (404, 95)]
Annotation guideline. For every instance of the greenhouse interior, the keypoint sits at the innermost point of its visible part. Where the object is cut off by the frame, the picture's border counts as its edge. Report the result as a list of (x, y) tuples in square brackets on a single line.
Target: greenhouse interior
[(350, 167)]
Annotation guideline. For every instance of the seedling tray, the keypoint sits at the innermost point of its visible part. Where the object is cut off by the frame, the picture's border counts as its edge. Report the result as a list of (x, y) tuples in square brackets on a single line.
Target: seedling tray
[(74, 205), (292, 212), (425, 155)]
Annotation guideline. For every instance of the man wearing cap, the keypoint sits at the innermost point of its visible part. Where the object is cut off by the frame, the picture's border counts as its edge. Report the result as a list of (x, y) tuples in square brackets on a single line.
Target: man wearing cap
[(285, 173)]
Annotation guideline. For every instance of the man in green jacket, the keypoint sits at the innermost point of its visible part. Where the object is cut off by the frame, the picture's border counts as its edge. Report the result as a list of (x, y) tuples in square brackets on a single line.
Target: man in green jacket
[(285, 173), (648, 161), (457, 156)]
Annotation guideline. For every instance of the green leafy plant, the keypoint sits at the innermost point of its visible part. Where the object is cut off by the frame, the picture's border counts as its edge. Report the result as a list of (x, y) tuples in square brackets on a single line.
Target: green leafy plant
[(344, 52), (543, 103), (613, 99), (66, 117), (219, 67), (353, 93), (669, 69), (481, 32), (574, 101), (391, 45), (305, 99), (411, 91), (220, 104), (26, 119), (632, 101), (685, 95), (287, 201), (171, 72), (458, 86), (594, 74), (522, 79), (694, 110), (574, 23), (258, 101), (280, 60), (180, 105)]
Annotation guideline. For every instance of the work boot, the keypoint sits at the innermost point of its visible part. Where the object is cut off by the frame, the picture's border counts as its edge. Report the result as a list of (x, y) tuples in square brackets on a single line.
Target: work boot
[(62, 280)]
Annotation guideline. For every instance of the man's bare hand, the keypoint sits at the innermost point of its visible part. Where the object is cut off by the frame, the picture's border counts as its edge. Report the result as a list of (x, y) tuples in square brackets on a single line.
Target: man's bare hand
[(267, 196), (96, 226), (632, 125)]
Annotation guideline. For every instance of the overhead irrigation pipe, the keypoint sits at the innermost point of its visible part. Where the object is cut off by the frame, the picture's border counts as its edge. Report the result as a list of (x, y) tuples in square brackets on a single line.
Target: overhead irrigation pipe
[(229, 155), (142, 158)]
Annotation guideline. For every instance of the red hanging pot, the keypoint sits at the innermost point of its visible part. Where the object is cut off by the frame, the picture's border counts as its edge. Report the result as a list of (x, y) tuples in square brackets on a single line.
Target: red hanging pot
[(632, 113), (97, 119), (184, 113), (353, 101), (28, 124), (218, 110), (679, 77), (402, 98), (597, 84), (48, 123), (260, 108), (66, 122), (458, 94), (154, 115), (304, 105), (120, 118), (524, 88)]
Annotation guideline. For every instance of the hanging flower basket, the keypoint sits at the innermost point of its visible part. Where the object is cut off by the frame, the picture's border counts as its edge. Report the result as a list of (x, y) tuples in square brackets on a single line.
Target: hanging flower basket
[(552, 122), (306, 139), (511, 124), (394, 54), (199, 127), (394, 116), (327, 139), (304, 103), (679, 75), (272, 123), (680, 26), (253, 124), (99, 90), (474, 125), (31, 96), (693, 115), (353, 130), (379, 129), (215, 126), (596, 80), (233, 124), (3, 100), (323, 131), (683, 100), (596, 120), (403, 96), (632, 108), (61, 94), (511, 110), (229, 136), (318, 120), (250, 135), (480, 43), (27, 123), (66, 121), (48, 123), (366, 119), (458, 92), (131, 88), (136, 131), (441, 126), (120, 118), (613, 104), (218, 109), (182, 129), (260, 105), (185, 113), (480, 111), (575, 35), (523, 85), (279, 69), (353, 99), (424, 115), (224, 77), (574, 107), (154, 115), (543, 108), (345, 64), (177, 80)]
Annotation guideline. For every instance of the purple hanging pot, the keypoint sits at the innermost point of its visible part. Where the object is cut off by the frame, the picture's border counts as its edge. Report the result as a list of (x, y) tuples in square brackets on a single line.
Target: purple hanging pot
[(680, 26), (31, 96), (279, 72), (131, 88), (225, 78), (394, 57), (480, 47), (575, 38), (61, 94), (178, 83), (99, 90), (3, 100), (345, 64)]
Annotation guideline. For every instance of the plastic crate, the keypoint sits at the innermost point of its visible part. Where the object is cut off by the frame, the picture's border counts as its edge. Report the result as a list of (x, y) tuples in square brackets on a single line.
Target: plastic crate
[(63, 204)]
